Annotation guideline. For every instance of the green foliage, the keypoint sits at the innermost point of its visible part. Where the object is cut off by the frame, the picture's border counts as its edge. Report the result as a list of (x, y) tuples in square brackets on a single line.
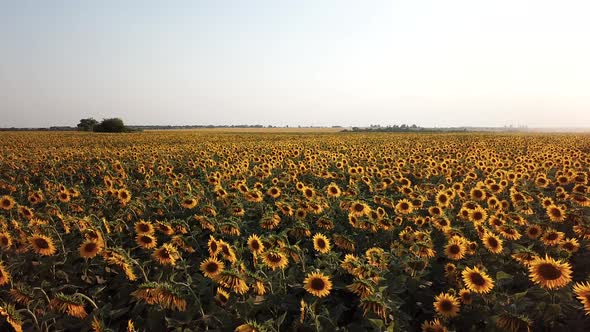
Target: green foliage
[(87, 124), (112, 125)]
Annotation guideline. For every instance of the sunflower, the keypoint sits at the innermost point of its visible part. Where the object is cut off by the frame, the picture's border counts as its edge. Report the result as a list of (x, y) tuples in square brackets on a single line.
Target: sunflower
[(333, 190), (189, 203), (26, 212), (259, 288), (321, 243), (555, 213), (492, 243), (466, 296), (514, 323), (70, 305), (90, 248), (22, 294), (249, 326), (477, 194), (213, 246), (63, 197), (582, 291), (274, 192), (404, 206), (233, 280), (7, 202), (446, 305), (359, 209), (124, 196), (166, 255), (163, 294), (550, 273), (164, 228), (42, 244), (309, 193), (254, 196), (361, 287), (146, 241), (477, 281), (5, 240), (478, 215), (222, 296), (227, 252), (343, 242), (144, 227), (350, 263), (275, 260), (435, 211), (255, 245), (533, 231), (317, 284), (552, 237), (4, 275), (375, 305), (442, 199), (571, 245), (433, 326), (455, 249), (270, 221), (10, 318), (508, 232)]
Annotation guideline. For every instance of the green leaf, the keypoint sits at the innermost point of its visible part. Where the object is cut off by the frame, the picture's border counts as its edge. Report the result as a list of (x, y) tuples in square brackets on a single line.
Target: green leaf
[(281, 319), (501, 275), (377, 323), (519, 296)]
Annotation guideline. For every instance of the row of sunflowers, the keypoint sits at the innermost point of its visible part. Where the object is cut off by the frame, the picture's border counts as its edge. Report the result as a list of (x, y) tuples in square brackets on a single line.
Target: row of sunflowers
[(194, 230)]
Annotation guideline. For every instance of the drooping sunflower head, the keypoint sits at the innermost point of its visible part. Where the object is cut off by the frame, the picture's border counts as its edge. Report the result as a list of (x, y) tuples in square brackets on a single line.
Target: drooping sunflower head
[(433, 326), (10, 318), (465, 296), (4, 275)]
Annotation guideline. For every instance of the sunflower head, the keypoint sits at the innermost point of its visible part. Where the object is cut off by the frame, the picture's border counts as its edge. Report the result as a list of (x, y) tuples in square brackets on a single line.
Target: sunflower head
[(477, 281), (317, 284), (550, 273)]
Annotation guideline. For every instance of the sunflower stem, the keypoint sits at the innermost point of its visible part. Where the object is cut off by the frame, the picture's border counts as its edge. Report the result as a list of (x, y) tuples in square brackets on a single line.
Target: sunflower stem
[(87, 299)]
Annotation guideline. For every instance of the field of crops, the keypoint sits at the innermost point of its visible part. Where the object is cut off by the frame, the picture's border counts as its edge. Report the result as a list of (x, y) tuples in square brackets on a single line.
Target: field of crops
[(194, 231)]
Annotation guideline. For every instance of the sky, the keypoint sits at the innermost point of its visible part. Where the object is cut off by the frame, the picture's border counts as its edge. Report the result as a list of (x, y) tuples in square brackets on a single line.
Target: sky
[(308, 63)]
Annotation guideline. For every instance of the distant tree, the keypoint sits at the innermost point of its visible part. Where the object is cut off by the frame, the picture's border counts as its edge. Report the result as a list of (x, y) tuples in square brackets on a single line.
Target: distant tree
[(112, 125), (87, 124)]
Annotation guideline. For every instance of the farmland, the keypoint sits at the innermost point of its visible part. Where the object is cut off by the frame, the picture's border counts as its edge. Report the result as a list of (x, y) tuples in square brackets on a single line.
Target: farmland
[(294, 231)]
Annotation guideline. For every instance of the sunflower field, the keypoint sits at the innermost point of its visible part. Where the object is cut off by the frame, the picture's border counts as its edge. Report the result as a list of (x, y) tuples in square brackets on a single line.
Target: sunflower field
[(196, 231)]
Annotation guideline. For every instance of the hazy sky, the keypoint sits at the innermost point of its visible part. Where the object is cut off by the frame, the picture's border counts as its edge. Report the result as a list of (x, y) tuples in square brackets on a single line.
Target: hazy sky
[(432, 63)]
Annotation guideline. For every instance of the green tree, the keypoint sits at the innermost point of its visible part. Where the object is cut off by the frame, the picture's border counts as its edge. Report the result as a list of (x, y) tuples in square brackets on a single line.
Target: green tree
[(87, 124), (112, 125)]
